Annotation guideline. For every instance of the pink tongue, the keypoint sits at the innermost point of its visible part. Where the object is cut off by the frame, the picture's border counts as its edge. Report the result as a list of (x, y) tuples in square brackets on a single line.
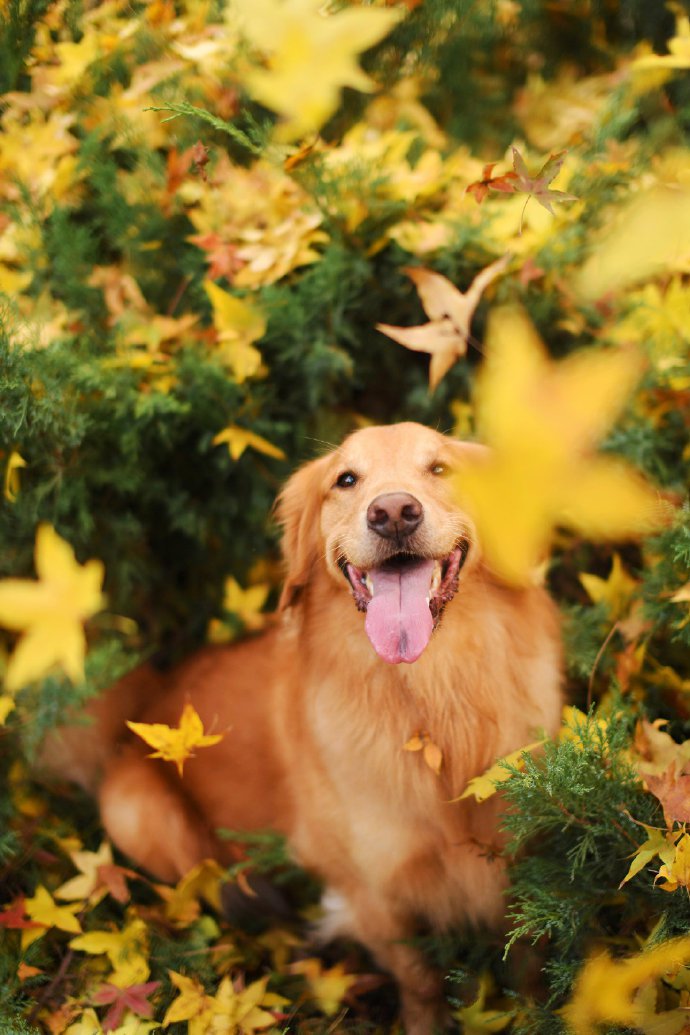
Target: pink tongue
[(399, 621)]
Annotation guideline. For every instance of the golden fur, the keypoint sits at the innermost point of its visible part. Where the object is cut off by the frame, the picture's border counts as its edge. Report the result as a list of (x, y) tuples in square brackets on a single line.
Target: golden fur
[(317, 721)]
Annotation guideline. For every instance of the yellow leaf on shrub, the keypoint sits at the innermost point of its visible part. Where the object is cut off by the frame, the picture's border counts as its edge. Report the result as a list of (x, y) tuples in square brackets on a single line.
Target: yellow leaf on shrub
[(482, 787), (14, 465), (238, 439), (50, 611), (238, 325), (176, 744)]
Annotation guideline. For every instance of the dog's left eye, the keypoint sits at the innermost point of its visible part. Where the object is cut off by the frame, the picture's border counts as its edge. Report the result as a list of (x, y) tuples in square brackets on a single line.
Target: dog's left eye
[(346, 480), (438, 469)]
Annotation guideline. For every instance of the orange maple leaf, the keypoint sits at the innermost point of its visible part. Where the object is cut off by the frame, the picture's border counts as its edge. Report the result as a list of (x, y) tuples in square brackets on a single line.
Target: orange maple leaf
[(450, 311)]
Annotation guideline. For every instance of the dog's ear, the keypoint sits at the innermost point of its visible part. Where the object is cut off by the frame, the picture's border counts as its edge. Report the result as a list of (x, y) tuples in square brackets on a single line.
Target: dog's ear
[(298, 510)]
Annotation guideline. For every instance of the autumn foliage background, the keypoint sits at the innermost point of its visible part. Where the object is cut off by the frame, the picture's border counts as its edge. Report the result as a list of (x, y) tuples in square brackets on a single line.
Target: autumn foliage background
[(204, 215)]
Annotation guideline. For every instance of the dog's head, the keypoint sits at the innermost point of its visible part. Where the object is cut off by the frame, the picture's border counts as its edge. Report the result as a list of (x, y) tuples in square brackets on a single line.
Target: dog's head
[(379, 513)]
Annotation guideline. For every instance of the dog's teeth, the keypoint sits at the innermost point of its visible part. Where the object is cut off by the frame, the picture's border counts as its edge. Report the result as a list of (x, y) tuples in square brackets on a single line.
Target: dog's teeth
[(368, 583), (436, 577)]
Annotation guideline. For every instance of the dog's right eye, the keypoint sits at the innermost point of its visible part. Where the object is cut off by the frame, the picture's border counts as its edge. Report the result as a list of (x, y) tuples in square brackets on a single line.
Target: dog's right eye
[(346, 480)]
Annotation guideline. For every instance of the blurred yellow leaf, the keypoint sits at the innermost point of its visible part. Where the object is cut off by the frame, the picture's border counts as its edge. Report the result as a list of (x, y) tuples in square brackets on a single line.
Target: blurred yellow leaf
[(14, 465), (243, 1010), (192, 1004), (475, 1019), (6, 706), (327, 986), (542, 420), (450, 311), (616, 591), (50, 611), (182, 903), (240, 1012), (605, 989), (126, 950), (176, 744), (648, 236), (247, 603), (679, 51), (484, 786), (311, 55), (92, 882), (238, 439)]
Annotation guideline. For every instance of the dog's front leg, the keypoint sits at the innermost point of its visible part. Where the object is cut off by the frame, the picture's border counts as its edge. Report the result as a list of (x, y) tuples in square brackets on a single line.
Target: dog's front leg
[(389, 938)]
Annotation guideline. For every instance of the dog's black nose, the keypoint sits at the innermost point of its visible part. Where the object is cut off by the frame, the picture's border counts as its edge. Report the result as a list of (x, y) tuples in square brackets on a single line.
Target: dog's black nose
[(394, 515)]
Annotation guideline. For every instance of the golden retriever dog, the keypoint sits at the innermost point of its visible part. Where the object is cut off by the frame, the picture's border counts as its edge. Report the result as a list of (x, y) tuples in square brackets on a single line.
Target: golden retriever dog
[(390, 626)]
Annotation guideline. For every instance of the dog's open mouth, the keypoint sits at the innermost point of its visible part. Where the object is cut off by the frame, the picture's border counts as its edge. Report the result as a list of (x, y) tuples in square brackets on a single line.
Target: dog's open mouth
[(403, 600)]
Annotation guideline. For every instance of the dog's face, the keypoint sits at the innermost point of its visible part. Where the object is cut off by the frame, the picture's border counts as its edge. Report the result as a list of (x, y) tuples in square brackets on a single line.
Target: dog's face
[(380, 513)]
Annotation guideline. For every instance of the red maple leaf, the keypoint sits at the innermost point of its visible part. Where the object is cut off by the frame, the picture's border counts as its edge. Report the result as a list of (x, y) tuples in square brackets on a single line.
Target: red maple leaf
[(134, 998), (14, 916), (521, 181), (480, 188)]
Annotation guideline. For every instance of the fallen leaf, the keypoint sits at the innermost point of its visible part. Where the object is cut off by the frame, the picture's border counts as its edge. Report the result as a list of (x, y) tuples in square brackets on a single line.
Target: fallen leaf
[(484, 786), (126, 949), (134, 998), (328, 987)]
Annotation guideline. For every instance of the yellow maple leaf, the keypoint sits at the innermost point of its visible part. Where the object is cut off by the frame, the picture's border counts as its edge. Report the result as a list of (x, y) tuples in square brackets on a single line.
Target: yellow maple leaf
[(311, 54), (243, 1010), (616, 591), (238, 325), (44, 910), (327, 987), (542, 421), (50, 612), (176, 744), (659, 843), (450, 313), (605, 989), (182, 903), (238, 439), (486, 784), (192, 1004), (126, 949)]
